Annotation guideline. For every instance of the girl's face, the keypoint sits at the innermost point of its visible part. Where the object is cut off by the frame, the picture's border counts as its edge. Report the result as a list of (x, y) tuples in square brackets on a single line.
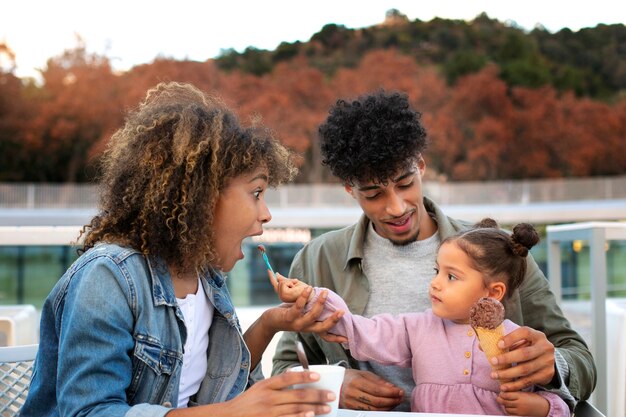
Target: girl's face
[(240, 212), (456, 285)]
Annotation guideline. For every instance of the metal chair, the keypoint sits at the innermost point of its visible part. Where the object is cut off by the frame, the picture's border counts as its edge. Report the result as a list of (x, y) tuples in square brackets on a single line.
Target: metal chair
[(585, 409), (16, 368)]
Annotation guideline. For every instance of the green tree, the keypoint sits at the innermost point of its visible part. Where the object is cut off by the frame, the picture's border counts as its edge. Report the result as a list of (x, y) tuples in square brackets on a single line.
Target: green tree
[(463, 62)]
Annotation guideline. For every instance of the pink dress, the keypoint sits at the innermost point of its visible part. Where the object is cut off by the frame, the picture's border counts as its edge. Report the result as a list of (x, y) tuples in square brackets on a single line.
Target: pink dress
[(451, 373)]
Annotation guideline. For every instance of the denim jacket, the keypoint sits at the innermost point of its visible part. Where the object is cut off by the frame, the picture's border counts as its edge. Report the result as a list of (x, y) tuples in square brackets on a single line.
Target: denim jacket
[(112, 337)]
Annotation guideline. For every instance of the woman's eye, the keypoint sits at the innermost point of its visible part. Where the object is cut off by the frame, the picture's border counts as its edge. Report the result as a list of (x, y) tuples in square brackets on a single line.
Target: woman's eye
[(436, 270), (257, 193), (452, 277)]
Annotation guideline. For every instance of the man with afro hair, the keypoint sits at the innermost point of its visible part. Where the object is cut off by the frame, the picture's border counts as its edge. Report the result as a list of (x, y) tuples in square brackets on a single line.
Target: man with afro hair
[(384, 263)]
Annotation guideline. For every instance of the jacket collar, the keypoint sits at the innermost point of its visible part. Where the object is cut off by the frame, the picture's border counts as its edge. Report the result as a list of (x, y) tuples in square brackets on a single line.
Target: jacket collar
[(163, 289), (445, 227)]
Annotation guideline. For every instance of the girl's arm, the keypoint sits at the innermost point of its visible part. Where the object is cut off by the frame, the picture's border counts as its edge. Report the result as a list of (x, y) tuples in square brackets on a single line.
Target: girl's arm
[(535, 404), (382, 338), (288, 317)]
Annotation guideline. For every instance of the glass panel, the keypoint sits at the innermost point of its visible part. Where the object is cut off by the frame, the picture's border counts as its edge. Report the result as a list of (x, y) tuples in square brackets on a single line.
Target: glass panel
[(28, 273)]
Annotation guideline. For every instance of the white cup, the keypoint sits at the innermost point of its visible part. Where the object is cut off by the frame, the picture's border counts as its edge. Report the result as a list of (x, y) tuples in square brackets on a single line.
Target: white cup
[(331, 378)]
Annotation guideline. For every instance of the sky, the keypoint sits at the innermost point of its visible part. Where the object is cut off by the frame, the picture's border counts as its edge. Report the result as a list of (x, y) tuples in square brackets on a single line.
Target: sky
[(133, 32)]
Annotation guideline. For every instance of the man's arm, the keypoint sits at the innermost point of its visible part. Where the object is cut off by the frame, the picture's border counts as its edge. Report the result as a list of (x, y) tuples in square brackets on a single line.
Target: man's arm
[(540, 312)]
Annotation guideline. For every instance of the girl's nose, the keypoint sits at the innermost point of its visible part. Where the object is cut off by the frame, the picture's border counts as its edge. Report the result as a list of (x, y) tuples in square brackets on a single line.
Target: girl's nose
[(434, 283)]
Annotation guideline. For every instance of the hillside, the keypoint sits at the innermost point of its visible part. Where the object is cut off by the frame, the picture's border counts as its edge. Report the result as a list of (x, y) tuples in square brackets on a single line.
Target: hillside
[(591, 62), (498, 102)]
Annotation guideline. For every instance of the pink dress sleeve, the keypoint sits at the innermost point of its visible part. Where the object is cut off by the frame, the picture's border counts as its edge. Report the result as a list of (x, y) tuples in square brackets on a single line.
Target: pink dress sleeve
[(382, 338), (558, 407)]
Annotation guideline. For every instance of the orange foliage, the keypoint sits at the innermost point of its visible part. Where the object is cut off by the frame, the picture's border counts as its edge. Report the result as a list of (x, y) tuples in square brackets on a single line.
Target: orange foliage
[(478, 129)]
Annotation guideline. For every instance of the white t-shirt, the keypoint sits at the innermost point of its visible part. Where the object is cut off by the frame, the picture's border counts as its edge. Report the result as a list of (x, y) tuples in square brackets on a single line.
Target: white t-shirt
[(198, 314)]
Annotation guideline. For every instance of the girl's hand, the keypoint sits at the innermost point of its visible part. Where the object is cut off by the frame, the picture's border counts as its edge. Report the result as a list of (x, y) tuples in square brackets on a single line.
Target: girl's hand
[(519, 403), (293, 317), (288, 289)]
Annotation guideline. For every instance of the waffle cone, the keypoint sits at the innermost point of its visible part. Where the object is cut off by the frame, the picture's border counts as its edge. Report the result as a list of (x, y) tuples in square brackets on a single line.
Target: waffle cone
[(488, 339)]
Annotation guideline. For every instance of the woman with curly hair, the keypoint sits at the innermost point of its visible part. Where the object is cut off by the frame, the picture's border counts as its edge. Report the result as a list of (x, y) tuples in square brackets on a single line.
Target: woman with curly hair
[(142, 323)]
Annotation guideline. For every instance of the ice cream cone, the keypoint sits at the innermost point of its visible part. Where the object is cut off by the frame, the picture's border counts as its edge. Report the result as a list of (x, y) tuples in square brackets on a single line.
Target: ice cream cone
[(487, 317), (488, 339)]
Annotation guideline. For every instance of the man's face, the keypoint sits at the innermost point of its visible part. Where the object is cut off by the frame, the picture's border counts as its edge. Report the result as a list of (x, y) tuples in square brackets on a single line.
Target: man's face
[(396, 208)]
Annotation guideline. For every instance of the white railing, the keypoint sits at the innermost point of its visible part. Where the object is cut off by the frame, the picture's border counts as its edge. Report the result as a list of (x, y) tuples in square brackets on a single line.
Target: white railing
[(328, 206), (68, 196)]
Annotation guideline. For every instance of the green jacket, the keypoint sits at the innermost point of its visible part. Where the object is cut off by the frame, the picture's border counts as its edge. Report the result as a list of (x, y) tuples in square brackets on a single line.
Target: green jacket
[(333, 260)]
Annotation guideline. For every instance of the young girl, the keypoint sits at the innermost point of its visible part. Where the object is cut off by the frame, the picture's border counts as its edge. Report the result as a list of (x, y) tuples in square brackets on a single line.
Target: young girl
[(143, 323), (451, 373)]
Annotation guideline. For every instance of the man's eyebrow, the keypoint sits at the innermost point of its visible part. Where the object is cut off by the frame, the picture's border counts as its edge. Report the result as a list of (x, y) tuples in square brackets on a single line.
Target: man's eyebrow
[(376, 186), (403, 176), (369, 187)]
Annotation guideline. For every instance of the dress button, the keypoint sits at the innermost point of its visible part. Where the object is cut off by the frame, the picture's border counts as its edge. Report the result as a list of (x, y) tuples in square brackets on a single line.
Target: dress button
[(470, 333), (167, 404), (468, 354), (465, 372)]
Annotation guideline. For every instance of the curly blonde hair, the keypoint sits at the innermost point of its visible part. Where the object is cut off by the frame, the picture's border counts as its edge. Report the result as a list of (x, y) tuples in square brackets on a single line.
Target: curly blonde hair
[(163, 172)]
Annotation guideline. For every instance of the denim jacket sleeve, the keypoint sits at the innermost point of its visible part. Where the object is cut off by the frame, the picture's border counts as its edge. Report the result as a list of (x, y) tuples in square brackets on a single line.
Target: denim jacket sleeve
[(95, 326)]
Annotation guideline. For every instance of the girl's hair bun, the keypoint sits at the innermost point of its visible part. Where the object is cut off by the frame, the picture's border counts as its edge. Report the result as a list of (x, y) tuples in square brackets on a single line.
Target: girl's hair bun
[(523, 238)]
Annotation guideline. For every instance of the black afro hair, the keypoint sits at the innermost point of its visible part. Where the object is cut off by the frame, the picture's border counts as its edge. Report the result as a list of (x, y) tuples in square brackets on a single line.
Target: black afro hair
[(371, 138)]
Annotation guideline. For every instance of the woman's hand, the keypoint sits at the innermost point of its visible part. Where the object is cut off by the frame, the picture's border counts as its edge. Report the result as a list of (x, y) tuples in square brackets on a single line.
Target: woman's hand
[(271, 397), (292, 317)]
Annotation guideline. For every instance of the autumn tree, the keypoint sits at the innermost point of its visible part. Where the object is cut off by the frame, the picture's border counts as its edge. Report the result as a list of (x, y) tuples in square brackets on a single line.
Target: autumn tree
[(471, 133), (479, 126), (15, 116), (78, 105)]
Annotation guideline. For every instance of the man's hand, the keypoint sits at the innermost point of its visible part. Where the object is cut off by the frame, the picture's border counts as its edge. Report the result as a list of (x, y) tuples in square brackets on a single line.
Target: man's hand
[(362, 390), (533, 356)]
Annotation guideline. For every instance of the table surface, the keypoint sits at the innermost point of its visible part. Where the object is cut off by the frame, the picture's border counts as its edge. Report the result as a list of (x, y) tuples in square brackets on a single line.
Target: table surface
[(355, 413)]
